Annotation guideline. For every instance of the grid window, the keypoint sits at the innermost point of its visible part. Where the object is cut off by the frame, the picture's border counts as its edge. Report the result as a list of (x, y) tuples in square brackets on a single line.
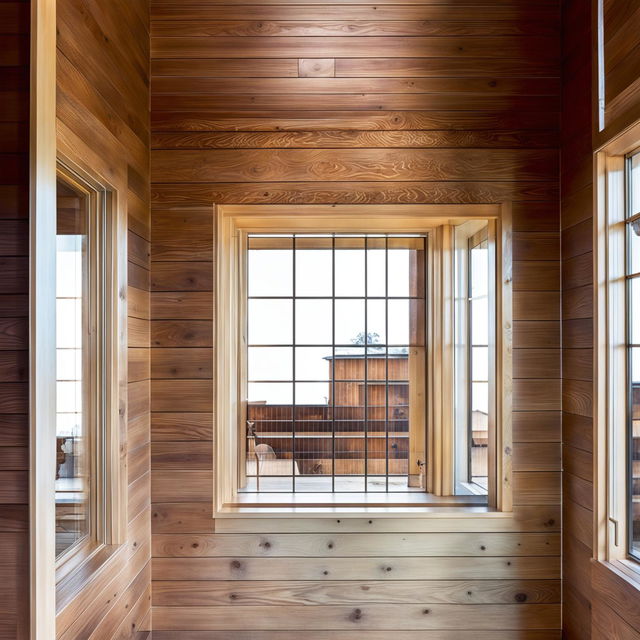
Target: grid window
[(478, 314), (632, 273), (335, 329)]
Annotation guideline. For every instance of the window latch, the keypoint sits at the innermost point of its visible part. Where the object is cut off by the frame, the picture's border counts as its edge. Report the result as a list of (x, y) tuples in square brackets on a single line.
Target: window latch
[(614, 522)]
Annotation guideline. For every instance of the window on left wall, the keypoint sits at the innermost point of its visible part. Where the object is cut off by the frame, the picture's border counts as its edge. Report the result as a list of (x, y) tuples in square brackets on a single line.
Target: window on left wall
[(86, 423)]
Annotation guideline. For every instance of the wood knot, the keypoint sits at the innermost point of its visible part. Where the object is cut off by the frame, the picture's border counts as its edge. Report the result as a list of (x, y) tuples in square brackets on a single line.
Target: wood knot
[(483, 548), (520, 597), (356, 615), (387, 569), (330, 545), (195, 545), (266, 544), (236, 564), (426, 611)]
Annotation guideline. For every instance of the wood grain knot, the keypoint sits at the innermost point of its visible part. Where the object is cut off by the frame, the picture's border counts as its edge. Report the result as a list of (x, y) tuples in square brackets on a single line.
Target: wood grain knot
[(356, 615)]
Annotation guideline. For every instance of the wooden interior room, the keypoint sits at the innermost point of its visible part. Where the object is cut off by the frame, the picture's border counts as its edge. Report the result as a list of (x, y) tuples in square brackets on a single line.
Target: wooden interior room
[(320, 318)]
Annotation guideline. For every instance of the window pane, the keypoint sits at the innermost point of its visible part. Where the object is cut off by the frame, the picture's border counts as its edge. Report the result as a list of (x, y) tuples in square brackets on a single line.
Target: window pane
[(398, 261), (634, 311), (376, 268), (635, 449), (313, 363), (350, 322), (480, 321), (350, 267), (633, 231), (270, 392), (270, 321), (270, 363), (399, 322), (314, 272), (376, 322), (313, 322), (479, 364), (270, 272), (634, 175), (73, 444)]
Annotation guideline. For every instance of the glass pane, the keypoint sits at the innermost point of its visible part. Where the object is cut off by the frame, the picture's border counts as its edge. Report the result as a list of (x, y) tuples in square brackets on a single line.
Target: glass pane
[(270, 321), (350, 322), (399, 272), (633, 232), (270, 393), (376, 268), (376, 322), (312, 393), (480, 321), (270, 363), (314, 272), (350, 265), (270, 271), (479, 270), (634, 483), (313, 322), (480, 364), (73, 445), (399, 329), (313, 363), (634, 311), (635, 184)]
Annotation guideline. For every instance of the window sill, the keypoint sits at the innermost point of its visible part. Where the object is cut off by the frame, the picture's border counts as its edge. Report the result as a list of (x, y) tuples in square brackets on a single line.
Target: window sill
[(88, 563), (410, 504), (624, 569)]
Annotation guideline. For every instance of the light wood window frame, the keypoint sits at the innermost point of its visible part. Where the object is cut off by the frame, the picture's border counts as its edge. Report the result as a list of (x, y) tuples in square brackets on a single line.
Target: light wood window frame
[(610, 359), (235, 222), (106, 369), (51, 576)]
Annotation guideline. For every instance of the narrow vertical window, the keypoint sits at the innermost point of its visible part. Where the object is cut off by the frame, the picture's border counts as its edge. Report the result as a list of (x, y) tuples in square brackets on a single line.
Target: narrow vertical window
[(475, 309), (632, 231), (90, 474), (75, 443)]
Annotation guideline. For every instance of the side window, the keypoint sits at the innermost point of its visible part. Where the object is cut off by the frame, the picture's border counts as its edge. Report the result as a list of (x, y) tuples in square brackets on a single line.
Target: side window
[(90, 474)]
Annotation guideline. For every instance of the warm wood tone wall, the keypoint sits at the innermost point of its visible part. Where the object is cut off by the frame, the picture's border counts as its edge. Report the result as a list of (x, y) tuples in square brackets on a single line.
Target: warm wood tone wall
[(103, 125), (351, 103), (14, 320), (577, 317), (597, 603), (620, 51)]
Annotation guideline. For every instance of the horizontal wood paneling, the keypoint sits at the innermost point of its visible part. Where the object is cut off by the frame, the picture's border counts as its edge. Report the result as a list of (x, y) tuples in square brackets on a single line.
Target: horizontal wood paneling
[(14, 320), (289, 102)]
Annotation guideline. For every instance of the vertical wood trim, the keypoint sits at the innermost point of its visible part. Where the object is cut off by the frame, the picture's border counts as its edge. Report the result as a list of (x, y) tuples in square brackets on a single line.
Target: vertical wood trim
[(41, 325), (503, 438)]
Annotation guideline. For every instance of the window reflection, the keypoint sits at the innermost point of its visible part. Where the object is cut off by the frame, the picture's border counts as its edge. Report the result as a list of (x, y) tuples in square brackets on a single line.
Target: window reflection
[(73, 445)]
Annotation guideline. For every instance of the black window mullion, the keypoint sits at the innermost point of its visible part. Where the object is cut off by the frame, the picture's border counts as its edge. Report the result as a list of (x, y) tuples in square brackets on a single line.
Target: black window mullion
[(366, 372), (293, 374)]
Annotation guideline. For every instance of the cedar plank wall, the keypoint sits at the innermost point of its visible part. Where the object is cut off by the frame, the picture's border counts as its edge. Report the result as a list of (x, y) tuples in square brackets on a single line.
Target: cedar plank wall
[(14, 321), (597, 603), (330, 103), (577, 316), (103, 125)]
